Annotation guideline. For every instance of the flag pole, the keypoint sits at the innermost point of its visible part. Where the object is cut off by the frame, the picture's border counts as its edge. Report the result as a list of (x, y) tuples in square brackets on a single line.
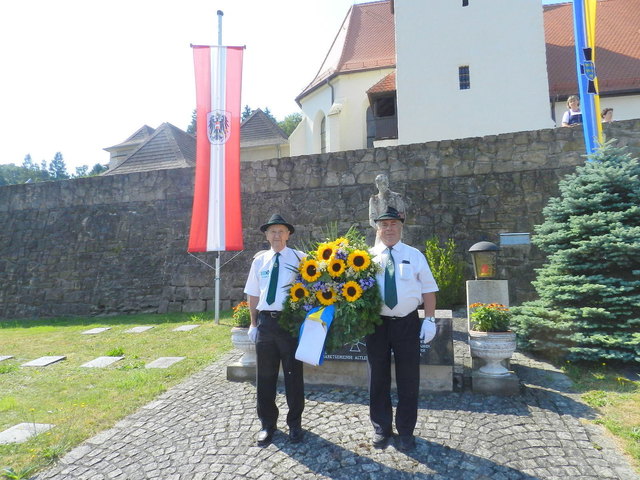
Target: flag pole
[(217, 270)]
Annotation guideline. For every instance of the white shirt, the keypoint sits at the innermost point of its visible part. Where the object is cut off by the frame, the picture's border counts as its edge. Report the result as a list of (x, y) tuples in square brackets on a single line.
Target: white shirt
[(260, 274), (412, 273)]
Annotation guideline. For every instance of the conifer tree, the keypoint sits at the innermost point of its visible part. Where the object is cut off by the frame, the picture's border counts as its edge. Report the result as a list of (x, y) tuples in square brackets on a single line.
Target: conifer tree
[(589, 289)]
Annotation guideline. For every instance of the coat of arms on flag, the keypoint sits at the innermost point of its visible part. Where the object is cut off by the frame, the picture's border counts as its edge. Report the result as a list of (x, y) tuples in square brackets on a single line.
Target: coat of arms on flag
[(218, 128)]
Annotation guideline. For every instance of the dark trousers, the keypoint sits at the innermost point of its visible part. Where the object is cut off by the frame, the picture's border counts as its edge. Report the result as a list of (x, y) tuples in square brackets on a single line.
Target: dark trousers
[(402, 336), (273, 346)]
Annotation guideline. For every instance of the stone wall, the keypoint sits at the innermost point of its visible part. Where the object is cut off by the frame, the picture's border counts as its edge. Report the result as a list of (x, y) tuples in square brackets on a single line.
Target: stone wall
[(117, 244)]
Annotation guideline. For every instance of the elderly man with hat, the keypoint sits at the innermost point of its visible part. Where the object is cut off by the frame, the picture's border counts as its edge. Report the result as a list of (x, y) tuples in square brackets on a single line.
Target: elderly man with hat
[(405, 282), (267, 288)]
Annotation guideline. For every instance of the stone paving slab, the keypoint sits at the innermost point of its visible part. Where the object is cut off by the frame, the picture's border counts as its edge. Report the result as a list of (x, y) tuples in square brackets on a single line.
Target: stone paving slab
[(101, 362), (205, 428), (44, 361), (95, 331), (185, 328), (138, 329), (164, 362), (5, 357), (22, 432)]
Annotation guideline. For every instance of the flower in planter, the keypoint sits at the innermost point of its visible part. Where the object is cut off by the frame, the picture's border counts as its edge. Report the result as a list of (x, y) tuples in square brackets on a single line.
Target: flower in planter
[(490, 317), (241, 315)]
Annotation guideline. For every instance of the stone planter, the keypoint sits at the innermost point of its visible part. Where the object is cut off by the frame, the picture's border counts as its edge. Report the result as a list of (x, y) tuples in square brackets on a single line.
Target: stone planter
[(240, 340), (492, 347)]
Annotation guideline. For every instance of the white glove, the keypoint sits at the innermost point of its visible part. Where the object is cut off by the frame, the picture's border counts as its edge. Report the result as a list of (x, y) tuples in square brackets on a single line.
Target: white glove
[(252, 333), (428, 330)]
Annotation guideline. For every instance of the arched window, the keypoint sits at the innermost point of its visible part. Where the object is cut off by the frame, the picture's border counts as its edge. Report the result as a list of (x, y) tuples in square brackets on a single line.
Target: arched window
[(323, 135)]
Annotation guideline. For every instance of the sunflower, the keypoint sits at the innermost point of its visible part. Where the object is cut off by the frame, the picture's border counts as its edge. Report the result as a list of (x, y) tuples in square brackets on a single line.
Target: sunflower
[(359, 260), (298, 292), (309, 270), (351, 291), (327, 297), (341, 242), (325, 252), (336, 267)]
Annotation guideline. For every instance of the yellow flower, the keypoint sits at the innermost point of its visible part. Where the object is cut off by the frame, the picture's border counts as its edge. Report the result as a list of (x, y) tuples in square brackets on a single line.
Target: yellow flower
[(336, 267), (359, 260), (351, 291), (325, 252), (298, 292), (328, 297), (341, 242), (309, 270)]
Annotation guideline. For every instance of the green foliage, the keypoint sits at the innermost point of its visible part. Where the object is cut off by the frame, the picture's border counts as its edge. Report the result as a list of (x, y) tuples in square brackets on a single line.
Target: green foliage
[(191, 129), (490, 317), (448, 271), (246, 112), (589, 289), (290, 122), (242, 315), (58, 168)]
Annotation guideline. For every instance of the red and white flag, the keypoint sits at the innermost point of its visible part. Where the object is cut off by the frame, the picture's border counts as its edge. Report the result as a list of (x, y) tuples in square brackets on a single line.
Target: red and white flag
[(216, 219)]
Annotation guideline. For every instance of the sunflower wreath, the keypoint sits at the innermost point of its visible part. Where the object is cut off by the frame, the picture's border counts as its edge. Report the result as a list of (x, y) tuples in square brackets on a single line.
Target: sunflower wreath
[(338, 272)]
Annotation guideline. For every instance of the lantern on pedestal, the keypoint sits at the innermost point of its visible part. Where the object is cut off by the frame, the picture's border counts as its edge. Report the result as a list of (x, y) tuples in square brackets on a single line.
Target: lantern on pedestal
[(484, 256)]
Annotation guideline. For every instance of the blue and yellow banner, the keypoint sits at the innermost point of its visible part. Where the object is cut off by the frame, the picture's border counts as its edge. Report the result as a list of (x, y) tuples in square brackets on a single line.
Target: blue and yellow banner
[(584, 26), (313, 334)]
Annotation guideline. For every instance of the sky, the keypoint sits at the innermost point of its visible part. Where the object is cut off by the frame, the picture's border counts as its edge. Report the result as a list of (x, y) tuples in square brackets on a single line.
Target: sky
[(77, 76)]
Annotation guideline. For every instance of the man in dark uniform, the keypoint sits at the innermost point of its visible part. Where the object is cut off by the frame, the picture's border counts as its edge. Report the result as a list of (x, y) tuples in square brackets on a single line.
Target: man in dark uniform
[(405, 282), (266, 289)]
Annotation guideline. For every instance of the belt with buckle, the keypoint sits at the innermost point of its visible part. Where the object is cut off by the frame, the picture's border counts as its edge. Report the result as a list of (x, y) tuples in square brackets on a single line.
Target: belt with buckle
[(271, 313), (385, 317)]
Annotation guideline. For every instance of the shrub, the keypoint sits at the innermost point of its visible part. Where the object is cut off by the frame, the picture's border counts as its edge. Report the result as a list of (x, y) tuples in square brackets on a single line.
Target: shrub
[(589, 289), (448, 271)]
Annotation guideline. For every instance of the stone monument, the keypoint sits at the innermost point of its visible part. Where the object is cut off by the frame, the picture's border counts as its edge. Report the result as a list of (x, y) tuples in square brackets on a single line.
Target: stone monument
[(385, 198)]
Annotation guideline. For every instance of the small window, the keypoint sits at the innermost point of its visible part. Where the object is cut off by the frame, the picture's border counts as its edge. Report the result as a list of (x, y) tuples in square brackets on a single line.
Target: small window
[(323, 135), (465, 3), (463, 76)]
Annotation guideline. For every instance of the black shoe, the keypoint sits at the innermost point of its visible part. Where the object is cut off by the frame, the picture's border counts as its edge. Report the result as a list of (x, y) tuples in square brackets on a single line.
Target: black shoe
[(265, 436), (296, 434), (380, 440), (406, 443)]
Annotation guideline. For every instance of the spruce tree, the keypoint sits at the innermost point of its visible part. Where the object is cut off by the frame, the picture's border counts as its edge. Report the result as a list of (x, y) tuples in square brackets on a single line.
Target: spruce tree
[(589, 289)]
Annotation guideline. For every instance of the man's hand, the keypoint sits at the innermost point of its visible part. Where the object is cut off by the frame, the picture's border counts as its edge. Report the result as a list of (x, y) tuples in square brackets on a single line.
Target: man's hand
[(252, 333), (428, 330)]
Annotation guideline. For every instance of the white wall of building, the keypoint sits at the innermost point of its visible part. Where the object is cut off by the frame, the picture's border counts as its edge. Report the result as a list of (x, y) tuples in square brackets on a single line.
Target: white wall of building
[(624, 107), (502, 42), (345, 116)]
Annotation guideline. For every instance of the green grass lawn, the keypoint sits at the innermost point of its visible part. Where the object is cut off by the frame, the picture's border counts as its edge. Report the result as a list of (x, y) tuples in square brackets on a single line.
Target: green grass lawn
[(616, 398), (81, 402)]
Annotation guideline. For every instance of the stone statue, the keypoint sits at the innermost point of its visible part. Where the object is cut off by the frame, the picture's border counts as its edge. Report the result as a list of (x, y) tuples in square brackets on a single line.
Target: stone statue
[(379, 202)]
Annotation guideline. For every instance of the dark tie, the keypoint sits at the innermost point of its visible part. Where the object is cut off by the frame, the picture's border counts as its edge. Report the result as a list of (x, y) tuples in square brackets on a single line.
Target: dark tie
[(390, 293), (273, 282)]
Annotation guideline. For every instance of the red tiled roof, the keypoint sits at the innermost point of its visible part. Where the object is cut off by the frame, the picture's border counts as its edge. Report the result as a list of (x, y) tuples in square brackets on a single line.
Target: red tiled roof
[(387, 84), (369, 43), (617, 47)]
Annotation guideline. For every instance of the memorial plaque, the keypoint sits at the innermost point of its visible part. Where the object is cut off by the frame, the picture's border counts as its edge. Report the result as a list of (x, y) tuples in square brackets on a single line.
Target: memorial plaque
[(138, 329), (43, 361), (164, 362), (185, 328), (437, 352), (22, 432), (101, 362), (95, 331)]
